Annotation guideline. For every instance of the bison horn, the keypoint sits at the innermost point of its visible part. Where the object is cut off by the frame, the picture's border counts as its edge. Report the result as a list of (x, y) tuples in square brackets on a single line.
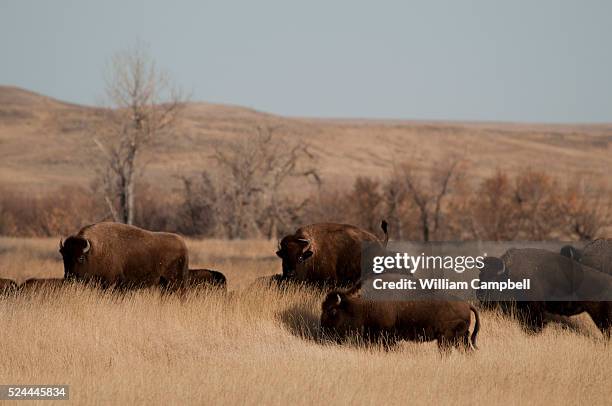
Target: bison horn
[(338, 299), (87, 247), (61, 243), (305, 242), (503, 270)]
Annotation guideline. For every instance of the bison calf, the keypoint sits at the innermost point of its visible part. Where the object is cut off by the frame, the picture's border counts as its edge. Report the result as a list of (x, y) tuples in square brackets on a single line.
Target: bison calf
[(206, 277), (445, 321)]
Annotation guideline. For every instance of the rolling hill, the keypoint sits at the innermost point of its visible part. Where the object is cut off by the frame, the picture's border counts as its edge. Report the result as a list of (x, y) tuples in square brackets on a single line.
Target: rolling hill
[(46, 143)]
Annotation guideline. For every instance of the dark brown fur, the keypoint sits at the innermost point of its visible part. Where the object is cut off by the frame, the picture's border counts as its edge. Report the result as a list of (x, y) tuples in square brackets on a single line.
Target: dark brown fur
[(206, 277), (125, 256), (549, 272), (326, 253), (447, 322)]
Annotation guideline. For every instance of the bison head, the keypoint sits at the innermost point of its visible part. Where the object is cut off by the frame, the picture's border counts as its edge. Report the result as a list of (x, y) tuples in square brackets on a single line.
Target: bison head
[(293, 251), (494, 269), (336, 316), (74, 253)]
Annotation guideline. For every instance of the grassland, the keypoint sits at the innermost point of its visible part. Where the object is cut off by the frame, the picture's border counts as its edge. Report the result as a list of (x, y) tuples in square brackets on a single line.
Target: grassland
[(258, 345), (46, 143)]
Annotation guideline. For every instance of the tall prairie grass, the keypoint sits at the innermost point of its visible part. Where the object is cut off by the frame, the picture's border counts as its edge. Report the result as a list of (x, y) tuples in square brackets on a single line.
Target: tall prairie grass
[(259, 345)]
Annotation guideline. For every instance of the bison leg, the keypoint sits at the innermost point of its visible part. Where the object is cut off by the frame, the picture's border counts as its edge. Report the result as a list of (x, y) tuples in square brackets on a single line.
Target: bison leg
[(173, 287), (450, 339), (173, 278), (446, 344), (443, 343), (461, 339), (386, 342), (531, 316), (601, 313)]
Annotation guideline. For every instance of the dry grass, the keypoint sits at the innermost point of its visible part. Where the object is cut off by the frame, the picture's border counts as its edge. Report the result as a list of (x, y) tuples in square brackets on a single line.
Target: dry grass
[(344, 148), (258, 346)]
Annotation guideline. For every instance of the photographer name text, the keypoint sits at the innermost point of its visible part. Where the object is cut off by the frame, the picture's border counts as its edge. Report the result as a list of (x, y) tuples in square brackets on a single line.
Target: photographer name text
[(447, 284)]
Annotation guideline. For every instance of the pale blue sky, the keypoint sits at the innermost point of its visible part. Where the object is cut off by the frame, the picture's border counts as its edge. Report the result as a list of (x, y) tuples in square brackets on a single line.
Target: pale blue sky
[(538, 60)]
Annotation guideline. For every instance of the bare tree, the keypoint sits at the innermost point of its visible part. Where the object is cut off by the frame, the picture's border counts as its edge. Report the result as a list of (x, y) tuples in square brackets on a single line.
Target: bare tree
[(366, 203), (399, 208), (199, 211), (322, 206), (254, 170), (393, 196), (492, 213), (537, 199), (144, 107), (587, 211), (534, 206), (428, 193)]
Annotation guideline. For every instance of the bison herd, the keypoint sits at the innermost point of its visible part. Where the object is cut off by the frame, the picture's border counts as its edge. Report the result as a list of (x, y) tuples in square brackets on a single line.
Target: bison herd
[(330, 255)]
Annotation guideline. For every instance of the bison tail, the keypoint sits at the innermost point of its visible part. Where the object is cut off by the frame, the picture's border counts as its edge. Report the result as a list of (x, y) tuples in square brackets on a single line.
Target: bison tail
[(476, 326), (384, 226)]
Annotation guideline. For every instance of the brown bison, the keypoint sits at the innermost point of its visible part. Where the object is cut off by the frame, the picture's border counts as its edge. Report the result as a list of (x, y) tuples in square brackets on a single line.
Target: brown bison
[(557, 284), (115, 254), (7, 285), (327, 253), (206, 277), (447, 322)]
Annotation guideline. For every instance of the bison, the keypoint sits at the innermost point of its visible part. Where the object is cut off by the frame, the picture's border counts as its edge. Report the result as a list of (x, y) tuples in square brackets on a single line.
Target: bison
[(206, 277), (115, 254), (327, 253), (558, 285), (446, 321)]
